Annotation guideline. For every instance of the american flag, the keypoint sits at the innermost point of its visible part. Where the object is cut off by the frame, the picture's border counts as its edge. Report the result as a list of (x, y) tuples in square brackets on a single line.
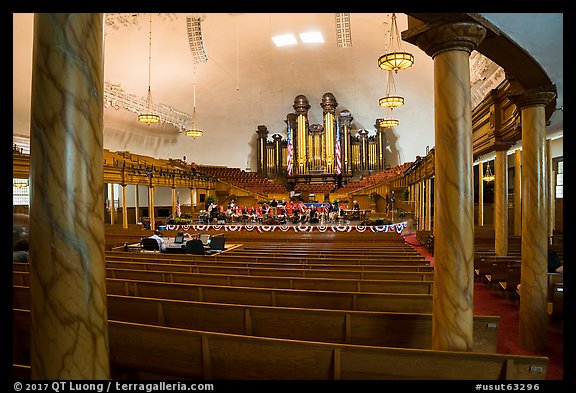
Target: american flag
[(338, 154), (178, 211), (290, 151)]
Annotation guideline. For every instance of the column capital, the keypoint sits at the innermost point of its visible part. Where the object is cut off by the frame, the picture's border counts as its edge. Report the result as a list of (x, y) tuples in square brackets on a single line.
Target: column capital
[(533, 97), (442, 35), (502, 146), (329, 103), (301, 104), (262, 131)]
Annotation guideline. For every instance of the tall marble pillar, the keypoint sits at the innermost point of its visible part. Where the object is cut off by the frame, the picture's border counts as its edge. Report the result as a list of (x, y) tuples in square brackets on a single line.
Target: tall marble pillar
[(112, 204), (429, 204), (501, 202), (151, 190), (449, 43), (480, 194), (137, 203), (124, 208), (69, 321), (174, 197), (533, 318), (193, 200), (301, 107), (518, 193), (329, 105), (551, 195)]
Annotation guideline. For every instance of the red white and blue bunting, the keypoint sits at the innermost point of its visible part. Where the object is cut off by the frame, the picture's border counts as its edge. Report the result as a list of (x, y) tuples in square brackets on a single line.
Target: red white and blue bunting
[(397, 227)]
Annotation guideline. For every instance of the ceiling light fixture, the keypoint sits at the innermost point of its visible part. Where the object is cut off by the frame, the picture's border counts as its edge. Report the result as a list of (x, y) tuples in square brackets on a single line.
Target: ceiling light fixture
[(194, 132), (311, 37), (285, 39), (391, 100), (395, 59), (488, 175), (149, 117), (388, 122)]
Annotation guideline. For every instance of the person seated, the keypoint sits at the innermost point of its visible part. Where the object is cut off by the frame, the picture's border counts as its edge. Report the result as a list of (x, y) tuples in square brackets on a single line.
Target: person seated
[(20, 251), (158, 236)]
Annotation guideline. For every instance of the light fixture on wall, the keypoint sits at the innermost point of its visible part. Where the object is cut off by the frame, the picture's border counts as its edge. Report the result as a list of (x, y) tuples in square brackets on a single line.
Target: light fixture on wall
[(488, 175), (194, 132), (391, 100), (149, 117), (395, 59)]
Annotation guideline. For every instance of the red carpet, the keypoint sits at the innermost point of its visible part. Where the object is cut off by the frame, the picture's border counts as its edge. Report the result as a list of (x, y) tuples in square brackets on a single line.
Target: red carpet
[(490, 302)]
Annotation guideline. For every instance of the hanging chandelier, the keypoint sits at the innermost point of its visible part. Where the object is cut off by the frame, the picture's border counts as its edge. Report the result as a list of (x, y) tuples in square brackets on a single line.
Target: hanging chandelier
[(388, 123), (194, 132), (488, 175), (149, 117), (395, 59), (391, 100)]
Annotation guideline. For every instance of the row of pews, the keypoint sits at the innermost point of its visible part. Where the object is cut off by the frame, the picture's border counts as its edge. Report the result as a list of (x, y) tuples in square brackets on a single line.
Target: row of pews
[(335, 308), (503, 273)]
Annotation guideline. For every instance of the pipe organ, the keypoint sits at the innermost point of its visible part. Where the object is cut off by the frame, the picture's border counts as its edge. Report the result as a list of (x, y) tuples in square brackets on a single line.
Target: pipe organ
[(314, 146)]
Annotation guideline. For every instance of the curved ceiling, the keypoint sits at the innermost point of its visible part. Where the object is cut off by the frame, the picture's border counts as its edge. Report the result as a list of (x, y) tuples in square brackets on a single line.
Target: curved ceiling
[(248, 81)]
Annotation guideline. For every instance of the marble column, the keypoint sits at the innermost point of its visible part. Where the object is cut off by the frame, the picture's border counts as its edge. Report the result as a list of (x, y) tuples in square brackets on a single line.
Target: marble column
[(137, 203), (533, 318), (69, 321), (449, 43), (551, 195), (112, 205), (518, 193), (151, 190), (193, 200), (173, 189), (124, 208), (501, 203), (429, 204), (480, 194)]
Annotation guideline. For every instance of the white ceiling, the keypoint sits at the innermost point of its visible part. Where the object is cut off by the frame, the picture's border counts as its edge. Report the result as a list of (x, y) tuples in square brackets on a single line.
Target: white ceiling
[(247, 81)]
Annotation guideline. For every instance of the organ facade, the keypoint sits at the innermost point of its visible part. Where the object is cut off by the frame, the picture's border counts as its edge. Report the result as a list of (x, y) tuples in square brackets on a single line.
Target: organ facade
[(329, 152)]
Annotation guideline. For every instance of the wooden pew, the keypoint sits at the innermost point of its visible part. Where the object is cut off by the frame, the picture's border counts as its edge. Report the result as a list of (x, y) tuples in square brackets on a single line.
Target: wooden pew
[(276, 282), (403, 330), (270, 272), (419, 273), (338, 300), (199, 355), (230, 257)]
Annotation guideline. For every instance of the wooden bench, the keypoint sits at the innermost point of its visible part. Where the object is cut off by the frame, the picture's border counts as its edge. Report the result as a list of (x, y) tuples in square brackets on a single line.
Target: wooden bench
[(275, 280), (403, 330), (230, 257), (186, 264), (338, 300), (273, 272), (142, 350)]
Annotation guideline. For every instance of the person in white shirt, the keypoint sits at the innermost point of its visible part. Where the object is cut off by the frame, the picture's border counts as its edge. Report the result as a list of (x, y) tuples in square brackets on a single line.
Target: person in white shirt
[(159, 239)]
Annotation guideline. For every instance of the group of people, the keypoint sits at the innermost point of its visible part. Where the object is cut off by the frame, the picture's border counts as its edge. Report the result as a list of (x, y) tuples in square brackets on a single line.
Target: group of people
[(296, 212)]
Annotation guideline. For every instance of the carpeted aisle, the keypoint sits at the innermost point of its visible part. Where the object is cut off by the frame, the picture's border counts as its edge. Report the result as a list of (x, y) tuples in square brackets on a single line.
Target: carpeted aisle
[(490, 302)]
